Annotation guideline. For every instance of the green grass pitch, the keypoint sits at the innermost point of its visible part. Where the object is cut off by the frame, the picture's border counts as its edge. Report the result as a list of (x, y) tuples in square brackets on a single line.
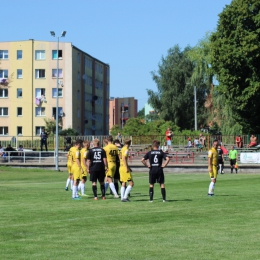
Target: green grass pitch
[(39, 220)]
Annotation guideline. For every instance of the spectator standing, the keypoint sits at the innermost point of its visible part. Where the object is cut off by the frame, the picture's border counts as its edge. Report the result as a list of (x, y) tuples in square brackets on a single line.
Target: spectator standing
[(233, 158), (202, 140), (119, 137), (169, 136), (44, 137), (197, 143)]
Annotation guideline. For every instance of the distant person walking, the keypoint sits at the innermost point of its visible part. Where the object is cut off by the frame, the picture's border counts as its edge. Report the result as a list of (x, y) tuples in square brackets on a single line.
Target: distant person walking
[(44, 137)]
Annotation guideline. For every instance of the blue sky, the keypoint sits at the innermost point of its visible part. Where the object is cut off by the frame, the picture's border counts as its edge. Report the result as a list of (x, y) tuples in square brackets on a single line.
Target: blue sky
[(130, 35)]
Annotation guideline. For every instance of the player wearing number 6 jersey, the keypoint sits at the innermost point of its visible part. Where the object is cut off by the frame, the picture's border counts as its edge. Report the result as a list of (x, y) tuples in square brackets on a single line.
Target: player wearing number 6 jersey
[(111, 153), (156, 166), (97, 163)]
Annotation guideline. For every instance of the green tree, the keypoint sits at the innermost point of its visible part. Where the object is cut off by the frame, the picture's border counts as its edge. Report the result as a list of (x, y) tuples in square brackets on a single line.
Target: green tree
[(50, 125), (134, 126), (174, 98), (69, 132), (202, 76), (152, 117), (141, 113), (235, 60), (115, 129)]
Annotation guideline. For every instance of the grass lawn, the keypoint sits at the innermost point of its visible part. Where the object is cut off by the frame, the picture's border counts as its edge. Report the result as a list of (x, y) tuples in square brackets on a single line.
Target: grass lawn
[(39, 220)]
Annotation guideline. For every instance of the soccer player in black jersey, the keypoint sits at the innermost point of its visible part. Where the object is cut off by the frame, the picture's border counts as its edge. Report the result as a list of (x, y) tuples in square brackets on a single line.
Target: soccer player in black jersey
[(220, 159), (96, 166), (155, 158), (117, 176)]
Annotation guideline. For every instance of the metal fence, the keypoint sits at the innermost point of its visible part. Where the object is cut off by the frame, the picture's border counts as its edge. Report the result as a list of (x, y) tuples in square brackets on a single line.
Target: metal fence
[(35, 157), (34, 142)]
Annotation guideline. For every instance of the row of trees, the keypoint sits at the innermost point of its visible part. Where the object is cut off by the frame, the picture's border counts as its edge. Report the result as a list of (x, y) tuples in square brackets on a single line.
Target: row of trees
[(225, 68), (229, 56)]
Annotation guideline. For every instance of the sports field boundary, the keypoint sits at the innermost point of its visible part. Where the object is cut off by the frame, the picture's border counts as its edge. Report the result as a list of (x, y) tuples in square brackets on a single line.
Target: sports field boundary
[(138, 167)]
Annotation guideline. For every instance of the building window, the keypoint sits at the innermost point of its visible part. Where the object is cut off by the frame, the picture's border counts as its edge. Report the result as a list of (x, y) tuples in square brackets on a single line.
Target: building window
[(40, 111), (3, 130), (38, 130), (39, 92), (54, 92), (19, 55), (19, 130), (19, 73), (60, 112), (40, 73), (3, 54), (4, 74), (78, 113), (78, 58), (54, 54), (3, 111), (40, 55), (78, 95), (19, 111), (54, 73), (78, 75), (3, 93), (19, 93), (88, 63), (99, 68)]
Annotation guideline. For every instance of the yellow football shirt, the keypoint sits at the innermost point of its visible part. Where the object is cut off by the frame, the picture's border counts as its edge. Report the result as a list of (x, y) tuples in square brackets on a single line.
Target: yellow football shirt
[(213, 154), (111, 153), (124, 153)]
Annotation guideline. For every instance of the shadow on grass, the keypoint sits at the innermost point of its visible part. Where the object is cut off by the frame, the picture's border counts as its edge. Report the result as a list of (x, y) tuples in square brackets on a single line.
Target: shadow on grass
[(225, 195), (166, 200)]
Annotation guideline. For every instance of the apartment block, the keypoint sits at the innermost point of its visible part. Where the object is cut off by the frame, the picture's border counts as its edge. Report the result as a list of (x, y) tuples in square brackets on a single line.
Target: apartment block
[(28, 88), (121, 109)]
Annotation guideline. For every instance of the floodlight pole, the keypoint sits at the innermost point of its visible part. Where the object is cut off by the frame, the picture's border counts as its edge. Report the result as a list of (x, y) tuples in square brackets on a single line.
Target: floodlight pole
[(123, 117), (195, 108), (57, 103)]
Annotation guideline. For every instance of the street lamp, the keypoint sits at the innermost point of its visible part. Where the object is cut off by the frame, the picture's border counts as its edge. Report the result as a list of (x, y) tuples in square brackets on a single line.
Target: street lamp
[(57, 101), (195, 108), (123, 111)]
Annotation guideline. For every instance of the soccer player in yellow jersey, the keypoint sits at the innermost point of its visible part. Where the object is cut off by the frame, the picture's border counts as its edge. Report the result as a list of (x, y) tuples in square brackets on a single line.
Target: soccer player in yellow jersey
[(83, 160), (125, 172), (213, 166), (70, 178), (111, 153), (76, 168)]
